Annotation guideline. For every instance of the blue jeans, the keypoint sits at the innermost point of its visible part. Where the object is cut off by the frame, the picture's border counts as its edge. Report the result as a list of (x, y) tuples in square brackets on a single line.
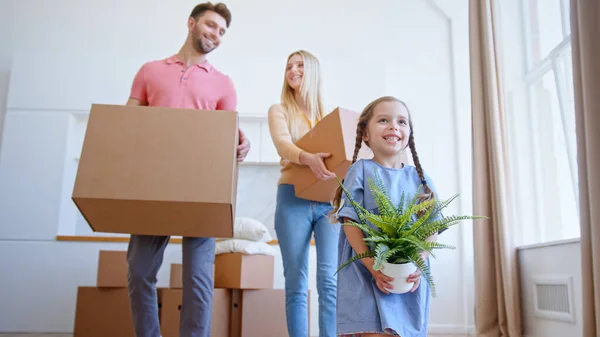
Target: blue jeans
[(145, 256), (295, 220)]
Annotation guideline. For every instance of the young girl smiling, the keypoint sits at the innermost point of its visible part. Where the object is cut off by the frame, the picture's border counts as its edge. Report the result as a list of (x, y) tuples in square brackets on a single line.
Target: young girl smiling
[(365, 307)]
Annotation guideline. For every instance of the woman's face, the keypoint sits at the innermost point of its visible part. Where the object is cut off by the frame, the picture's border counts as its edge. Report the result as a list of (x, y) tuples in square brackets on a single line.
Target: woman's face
[(294, 71)]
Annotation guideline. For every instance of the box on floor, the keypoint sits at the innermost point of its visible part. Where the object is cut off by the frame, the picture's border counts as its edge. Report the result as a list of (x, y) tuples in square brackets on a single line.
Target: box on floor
[(236, 313), (101, 312)]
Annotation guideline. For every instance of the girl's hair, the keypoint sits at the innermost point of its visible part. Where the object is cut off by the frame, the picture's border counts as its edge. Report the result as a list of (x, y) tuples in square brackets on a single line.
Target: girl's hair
[(361, 129), (310, 89)]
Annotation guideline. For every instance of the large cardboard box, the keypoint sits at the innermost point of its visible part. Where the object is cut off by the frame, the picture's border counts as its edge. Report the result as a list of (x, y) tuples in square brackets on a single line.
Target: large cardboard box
[(335, 134), (158, 171), (112, 269), (260, 313), (171, 312), (239, 271)]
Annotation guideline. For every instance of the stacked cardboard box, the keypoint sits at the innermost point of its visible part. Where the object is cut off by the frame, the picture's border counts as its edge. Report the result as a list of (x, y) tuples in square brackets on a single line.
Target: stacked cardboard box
[(244, 301), (257, 310), (107, 302), (144, 170)]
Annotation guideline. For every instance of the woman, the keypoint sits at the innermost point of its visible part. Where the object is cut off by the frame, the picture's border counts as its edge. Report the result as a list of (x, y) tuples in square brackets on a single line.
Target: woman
[(297, 219)]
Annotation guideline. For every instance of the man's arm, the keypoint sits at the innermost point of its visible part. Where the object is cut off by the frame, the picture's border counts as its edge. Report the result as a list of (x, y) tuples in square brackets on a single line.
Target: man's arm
[(135, 102), (138, 94), (229, 103)]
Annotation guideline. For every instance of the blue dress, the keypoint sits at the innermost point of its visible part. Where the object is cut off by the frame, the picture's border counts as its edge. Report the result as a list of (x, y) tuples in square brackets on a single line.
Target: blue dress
[(361, 306)]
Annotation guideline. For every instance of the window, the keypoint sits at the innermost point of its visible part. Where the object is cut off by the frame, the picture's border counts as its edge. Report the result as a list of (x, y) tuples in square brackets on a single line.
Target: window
[(539, 89)]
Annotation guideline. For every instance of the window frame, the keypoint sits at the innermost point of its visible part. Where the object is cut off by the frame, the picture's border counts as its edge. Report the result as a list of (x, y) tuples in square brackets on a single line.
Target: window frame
[(534, 72)]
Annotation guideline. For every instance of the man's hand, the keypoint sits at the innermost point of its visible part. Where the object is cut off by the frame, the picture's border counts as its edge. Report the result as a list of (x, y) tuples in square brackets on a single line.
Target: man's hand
[(244, 146)]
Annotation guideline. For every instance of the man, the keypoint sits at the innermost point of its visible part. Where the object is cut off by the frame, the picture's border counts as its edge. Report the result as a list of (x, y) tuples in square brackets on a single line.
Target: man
[(184, 80)]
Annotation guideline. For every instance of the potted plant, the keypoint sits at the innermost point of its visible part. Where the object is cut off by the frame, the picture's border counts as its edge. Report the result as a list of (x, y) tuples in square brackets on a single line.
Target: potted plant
[(397, 235)]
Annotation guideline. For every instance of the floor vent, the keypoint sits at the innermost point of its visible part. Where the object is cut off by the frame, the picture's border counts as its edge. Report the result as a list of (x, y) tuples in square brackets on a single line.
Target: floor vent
[(553, 297)]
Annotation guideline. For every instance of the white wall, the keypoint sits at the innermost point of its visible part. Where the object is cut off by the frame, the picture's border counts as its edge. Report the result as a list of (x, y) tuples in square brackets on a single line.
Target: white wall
[(65, 55), (551, 261)]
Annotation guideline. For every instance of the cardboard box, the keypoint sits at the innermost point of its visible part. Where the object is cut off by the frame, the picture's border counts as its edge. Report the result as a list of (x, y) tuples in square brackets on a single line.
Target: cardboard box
[(239, 271), (96, 307), (171, 311), (112, 269), (158, 171), (101, 312), (260, 313), (335, 134), (175, 281)]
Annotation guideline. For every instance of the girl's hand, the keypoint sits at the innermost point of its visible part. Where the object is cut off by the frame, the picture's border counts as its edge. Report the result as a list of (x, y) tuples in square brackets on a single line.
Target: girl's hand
[(382, 281), (416, 276), (317, 165)]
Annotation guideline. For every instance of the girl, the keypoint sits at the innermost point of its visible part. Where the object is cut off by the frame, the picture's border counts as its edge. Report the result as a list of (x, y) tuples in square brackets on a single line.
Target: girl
[(364, 305), (297, 219)]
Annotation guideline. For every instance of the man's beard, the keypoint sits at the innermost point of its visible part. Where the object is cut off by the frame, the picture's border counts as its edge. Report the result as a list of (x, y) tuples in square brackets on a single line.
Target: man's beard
[(202, 47)]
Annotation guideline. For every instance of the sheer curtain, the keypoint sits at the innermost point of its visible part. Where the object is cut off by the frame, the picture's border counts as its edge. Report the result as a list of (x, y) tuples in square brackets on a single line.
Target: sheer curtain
[(497, 305)]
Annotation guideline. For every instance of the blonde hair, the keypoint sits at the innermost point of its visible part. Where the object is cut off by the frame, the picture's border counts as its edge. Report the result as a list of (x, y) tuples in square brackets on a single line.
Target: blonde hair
[(310, 89), (361, 129)]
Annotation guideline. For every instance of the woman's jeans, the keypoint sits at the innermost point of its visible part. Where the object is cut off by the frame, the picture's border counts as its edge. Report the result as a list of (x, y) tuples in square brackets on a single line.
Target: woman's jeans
[(295, 220)]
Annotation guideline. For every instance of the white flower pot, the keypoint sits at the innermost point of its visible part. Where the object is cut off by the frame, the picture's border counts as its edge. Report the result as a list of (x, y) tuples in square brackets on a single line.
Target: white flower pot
[(399, 272)]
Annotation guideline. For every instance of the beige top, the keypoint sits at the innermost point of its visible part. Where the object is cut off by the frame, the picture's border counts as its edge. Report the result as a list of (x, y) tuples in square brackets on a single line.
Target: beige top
[(286, 129)]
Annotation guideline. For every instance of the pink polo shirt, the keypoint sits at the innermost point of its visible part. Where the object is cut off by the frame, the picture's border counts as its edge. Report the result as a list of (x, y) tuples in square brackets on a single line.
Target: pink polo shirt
[(168, 83)]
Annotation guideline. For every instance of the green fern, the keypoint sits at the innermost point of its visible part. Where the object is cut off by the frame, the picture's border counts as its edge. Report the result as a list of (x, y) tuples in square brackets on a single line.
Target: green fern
[(397, 234)]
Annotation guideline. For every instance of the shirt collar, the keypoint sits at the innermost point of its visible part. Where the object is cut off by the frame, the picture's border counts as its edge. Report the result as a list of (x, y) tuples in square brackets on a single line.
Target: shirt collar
[(204, 65)]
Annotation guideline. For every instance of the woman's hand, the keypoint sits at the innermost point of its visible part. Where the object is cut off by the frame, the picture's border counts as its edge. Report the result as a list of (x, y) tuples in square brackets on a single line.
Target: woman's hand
[(317, 165), (382, 281)]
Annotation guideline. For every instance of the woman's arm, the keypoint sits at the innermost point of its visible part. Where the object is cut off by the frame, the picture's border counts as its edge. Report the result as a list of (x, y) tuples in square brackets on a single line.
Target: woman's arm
[(282, 139)]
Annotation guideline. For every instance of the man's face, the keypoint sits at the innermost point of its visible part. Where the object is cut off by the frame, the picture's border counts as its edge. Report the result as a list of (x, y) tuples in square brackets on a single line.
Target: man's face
[(207, 31)]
